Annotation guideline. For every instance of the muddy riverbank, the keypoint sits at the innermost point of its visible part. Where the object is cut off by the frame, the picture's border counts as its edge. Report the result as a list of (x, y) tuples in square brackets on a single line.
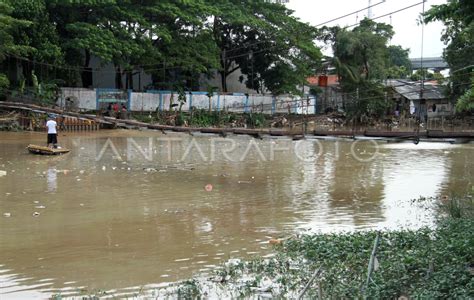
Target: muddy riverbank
[(19, 116)]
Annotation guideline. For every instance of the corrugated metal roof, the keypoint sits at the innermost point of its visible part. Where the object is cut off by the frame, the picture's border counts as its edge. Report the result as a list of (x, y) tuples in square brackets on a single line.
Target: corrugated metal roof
[(412, 91)]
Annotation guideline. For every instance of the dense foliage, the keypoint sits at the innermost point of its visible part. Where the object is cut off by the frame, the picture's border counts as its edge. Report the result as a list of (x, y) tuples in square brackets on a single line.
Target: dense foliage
[(458, 35), (465, 103), (399, 64), (363, 59), (174, 41), (429, 263)]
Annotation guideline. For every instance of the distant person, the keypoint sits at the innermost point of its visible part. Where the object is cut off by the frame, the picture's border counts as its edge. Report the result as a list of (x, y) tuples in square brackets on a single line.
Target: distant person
[(109, 110), (116, 109), (51, 125), (123, 113)]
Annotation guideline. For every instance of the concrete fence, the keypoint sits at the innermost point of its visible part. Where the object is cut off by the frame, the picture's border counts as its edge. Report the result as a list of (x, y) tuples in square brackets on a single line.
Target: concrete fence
[(154, 100)]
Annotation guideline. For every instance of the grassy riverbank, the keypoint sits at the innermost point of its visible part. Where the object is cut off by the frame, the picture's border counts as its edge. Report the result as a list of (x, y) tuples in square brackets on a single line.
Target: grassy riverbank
[(429, 263)]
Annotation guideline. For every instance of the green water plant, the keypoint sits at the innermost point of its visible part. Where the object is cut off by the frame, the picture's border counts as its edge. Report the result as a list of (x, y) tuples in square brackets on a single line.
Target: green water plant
[(428, 263)]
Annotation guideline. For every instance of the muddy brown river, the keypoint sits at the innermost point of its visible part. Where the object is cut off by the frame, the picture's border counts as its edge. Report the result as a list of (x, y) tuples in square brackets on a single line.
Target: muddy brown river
[(132, 210)]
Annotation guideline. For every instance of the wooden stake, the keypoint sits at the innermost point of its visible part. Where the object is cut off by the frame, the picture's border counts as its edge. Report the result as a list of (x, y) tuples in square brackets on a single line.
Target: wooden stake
[(316, 274)]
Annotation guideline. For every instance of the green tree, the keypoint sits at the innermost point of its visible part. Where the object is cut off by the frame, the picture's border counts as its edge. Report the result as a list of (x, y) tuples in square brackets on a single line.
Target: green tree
[(422, 74), (41, 37), (167, 37), (9, 26), (210, 93), (465, 103), (458, 35), (4, 84), (361, 57), (114, 31), (272, 48), (175, 41), (399, 63), (188, 49), (362, 54)]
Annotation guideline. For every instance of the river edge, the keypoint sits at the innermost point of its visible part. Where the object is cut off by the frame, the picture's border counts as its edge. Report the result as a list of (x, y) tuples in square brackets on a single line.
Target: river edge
[(427, 263), (253, 123), (197, 287)]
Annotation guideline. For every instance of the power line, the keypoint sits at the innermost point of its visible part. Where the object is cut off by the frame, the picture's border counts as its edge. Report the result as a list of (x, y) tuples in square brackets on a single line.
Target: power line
[(159, 69), (323, 23), (87, 69), (388, 14), (90, 70), (233, 49), (352, 13)]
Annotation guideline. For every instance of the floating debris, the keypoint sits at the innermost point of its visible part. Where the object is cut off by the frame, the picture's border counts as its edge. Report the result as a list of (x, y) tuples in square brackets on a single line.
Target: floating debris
[(7, 215), (208, 187), (275, 241), (243, 181), (182, 259), (35, 214), (3, 173)]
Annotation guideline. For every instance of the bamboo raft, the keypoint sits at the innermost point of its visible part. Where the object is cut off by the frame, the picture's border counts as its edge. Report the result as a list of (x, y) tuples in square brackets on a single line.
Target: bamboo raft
[(35, 149)]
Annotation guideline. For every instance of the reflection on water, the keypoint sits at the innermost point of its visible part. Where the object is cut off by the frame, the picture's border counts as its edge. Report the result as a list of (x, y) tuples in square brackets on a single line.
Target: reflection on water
[(52, 180), (127, 209)]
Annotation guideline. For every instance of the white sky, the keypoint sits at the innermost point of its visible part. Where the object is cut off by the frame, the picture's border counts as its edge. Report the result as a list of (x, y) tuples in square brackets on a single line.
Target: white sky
[(407, 32)]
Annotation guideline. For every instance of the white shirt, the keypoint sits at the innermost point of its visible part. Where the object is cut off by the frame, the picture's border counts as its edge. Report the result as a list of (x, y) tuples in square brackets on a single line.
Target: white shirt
[(51, 124)]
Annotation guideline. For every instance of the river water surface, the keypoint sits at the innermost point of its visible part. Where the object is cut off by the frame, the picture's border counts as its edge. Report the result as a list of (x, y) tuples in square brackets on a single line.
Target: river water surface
[(127, 210)]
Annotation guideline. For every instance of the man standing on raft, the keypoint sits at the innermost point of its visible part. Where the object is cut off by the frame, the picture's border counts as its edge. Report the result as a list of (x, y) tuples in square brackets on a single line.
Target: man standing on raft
[(52, 132)]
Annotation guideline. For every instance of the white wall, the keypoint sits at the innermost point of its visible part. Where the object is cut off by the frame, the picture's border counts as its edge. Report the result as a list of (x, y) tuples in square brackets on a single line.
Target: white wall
[(233, 103), (144, 102), (150, 101), (85, 99)]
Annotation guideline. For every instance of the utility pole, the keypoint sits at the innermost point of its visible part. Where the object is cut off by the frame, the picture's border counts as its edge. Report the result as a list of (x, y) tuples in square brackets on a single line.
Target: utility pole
[(224, 82), (251, 59), (369, 10), (422, 86)]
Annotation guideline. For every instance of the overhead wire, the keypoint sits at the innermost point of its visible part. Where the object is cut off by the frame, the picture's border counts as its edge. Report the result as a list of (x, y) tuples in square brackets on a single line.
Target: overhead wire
[(389, 14), (227, 57), (134, 67), (355, 12), (113, 72)]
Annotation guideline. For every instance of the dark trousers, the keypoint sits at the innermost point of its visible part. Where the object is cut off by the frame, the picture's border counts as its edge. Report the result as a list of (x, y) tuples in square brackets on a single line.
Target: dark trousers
[(52, 138)]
